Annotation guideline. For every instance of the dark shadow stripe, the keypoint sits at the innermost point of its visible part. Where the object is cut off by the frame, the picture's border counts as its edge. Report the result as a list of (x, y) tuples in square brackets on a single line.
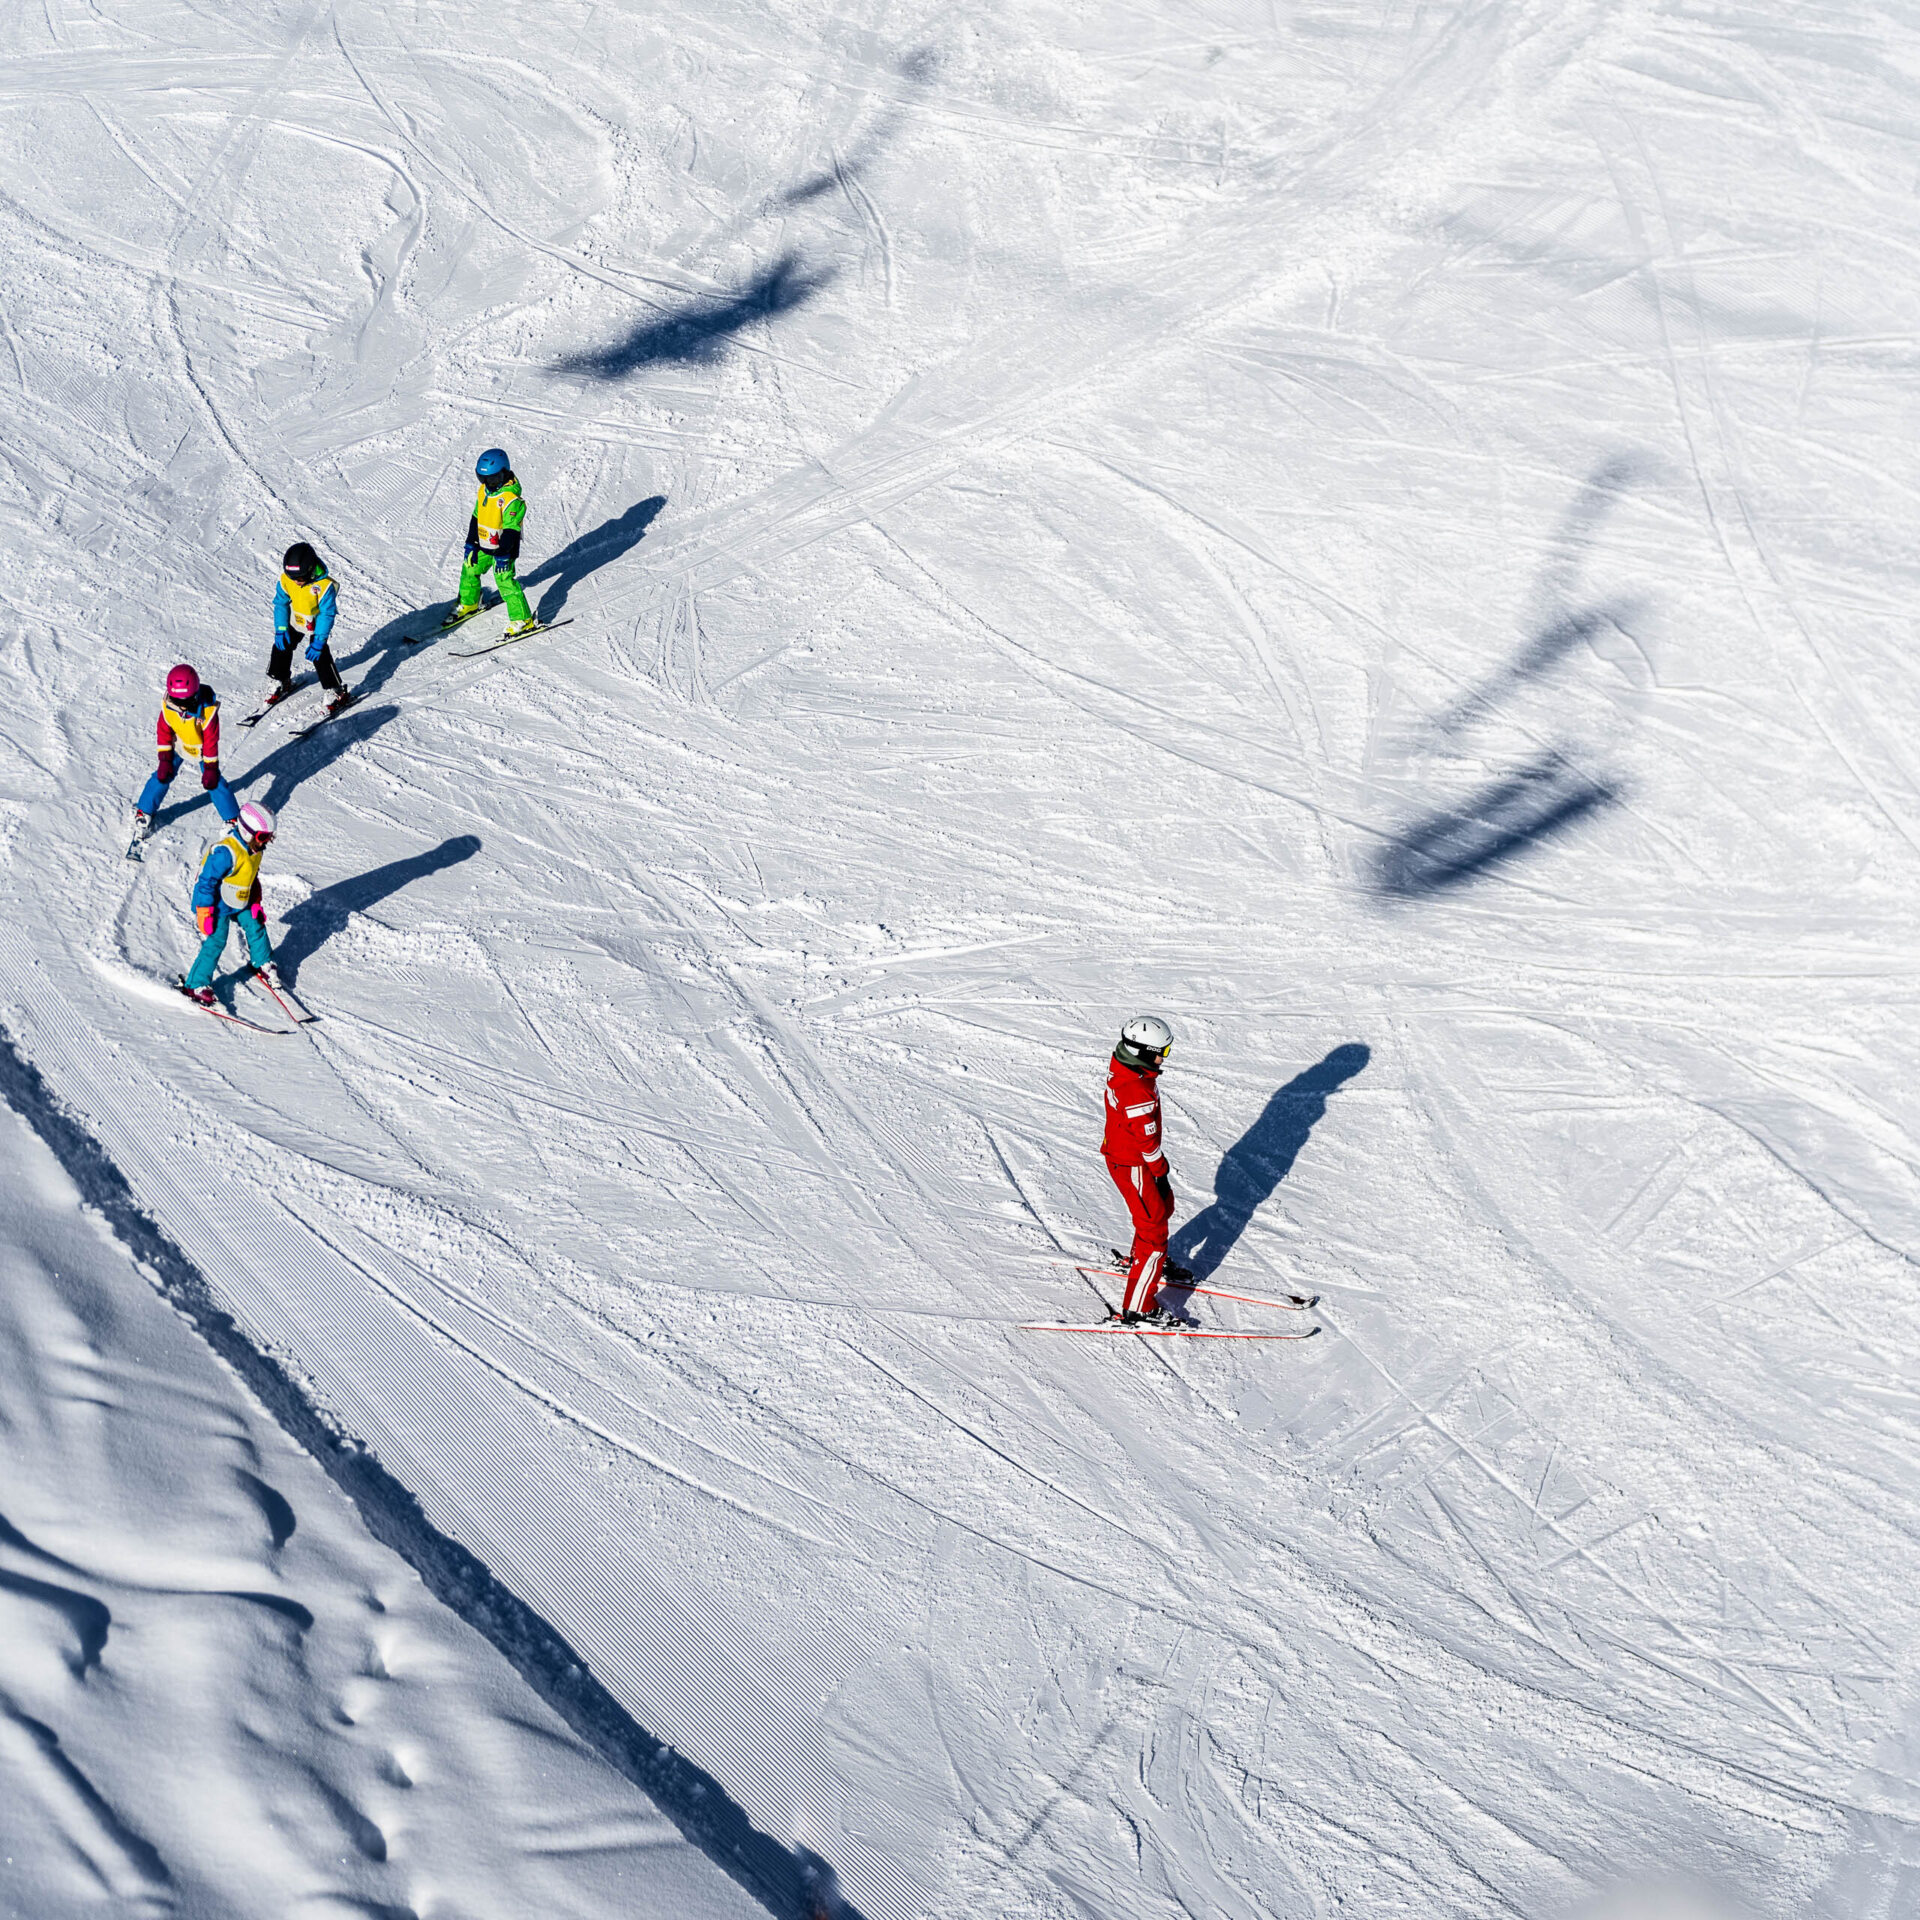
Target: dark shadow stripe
[(790, 1882)]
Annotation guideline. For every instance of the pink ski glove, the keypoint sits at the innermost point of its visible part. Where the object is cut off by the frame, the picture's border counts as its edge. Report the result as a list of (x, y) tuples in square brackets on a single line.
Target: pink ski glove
[(206, 919), (259, 912)]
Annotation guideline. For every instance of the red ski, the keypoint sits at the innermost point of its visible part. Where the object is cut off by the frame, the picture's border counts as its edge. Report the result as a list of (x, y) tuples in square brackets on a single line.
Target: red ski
[(1154, 1333), (220, 1013), (285, 999), (1291, 1303)]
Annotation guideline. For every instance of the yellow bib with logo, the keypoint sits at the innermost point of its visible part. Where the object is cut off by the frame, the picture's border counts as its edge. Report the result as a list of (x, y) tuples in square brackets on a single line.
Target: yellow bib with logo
[(237, 888), (188, 728), (489, 513), (303, 600)]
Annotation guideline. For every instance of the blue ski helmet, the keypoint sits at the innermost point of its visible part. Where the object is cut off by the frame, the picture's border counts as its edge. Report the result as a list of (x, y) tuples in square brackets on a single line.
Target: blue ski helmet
[(492, 465)]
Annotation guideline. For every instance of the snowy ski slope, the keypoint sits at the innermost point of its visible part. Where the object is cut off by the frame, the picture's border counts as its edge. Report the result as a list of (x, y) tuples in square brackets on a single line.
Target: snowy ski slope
[(217, 1696), (1381, 532)]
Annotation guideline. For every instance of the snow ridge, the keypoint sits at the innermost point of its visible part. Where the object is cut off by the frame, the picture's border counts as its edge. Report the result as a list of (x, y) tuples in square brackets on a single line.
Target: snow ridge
[(788, 1881)]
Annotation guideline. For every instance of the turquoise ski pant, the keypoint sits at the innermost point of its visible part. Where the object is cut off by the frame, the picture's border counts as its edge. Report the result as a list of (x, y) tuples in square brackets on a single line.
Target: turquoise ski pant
[(215, 944)]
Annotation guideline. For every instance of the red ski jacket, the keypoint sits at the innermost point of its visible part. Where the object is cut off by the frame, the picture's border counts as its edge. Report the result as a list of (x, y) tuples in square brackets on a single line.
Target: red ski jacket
[(1133, 1119)]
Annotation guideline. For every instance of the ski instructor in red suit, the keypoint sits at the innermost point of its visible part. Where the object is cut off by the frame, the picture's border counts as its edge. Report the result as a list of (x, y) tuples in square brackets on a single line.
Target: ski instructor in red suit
[(1138, 1162)]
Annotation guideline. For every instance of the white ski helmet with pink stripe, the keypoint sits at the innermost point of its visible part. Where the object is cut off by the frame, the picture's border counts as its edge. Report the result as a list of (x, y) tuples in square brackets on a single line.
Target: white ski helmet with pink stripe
[(257, 820)]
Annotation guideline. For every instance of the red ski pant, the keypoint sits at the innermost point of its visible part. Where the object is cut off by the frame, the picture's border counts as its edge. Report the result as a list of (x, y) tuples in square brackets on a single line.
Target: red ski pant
[(1149, 1198)]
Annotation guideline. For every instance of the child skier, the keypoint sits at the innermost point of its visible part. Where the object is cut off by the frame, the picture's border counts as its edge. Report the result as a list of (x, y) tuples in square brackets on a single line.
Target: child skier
[(304, 605), (227, 891), (493, 540), (188, 729), (1137, 1161)]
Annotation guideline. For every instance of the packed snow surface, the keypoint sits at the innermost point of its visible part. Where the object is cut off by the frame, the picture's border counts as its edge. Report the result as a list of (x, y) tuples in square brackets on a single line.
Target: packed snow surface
[(217, 1696), (1383, 533)]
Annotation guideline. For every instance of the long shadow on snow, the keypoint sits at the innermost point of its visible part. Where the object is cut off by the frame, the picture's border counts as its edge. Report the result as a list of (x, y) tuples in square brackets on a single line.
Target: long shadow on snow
[(917, 70), (321, 915), (1261, 1158), (700, 332), (1453, 845), (607, 543), (386, 646), (1456, 843), (790, 1882), (293, 761)]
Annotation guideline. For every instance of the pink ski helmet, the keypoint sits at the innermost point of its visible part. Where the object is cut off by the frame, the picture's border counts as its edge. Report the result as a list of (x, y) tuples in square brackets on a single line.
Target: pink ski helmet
[(257, 820), (182, 683)]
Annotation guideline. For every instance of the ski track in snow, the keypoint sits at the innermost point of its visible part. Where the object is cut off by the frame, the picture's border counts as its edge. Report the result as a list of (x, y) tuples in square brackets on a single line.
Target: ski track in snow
[(1369, 528)]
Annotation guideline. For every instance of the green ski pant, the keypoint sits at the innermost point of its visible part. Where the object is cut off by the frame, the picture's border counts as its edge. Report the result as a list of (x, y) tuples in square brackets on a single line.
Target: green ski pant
[(503, 577)]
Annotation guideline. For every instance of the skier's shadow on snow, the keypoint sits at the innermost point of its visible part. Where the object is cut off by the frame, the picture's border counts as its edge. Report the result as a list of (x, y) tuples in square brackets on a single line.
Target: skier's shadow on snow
[(608, 542), (386, 647), (1261, 1158), (321, 915), (293, 761)]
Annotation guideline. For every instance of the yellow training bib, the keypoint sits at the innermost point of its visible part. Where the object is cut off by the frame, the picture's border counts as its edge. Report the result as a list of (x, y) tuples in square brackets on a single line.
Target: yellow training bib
[(303, 600), (237, 888), (189, 729)]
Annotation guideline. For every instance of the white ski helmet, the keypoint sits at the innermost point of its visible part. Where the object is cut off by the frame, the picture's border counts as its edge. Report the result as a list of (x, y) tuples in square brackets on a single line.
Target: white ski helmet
[(1145, 1042), (257, 820)]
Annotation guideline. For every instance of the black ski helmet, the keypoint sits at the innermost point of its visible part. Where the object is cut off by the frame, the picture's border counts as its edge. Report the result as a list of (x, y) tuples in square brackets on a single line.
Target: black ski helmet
[(301, 563)]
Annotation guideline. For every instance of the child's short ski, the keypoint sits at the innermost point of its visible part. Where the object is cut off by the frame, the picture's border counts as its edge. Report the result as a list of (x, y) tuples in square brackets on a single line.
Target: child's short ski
[(1154, 1333), (284, 997), (220, 1013), (547, 626)]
